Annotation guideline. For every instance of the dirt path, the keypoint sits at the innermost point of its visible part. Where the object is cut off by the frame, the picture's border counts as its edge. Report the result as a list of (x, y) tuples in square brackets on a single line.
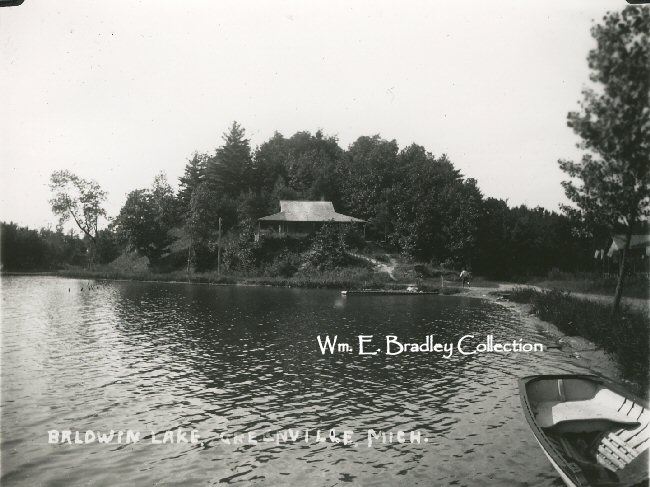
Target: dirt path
[(380, 266), (634, 303)]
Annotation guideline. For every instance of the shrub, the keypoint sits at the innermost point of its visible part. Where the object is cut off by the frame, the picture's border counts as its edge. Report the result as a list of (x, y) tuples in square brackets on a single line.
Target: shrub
[(242, 253), (329, 248), (285, 265)]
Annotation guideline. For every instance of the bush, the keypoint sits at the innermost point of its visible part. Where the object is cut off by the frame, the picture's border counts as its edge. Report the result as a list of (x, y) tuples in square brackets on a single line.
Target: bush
[(285, 265), (242, 253), (422, 270), (329, 248), (353, 237)]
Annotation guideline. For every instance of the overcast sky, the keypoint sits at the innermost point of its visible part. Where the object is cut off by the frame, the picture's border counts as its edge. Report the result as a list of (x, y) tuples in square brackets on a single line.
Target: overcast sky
[(117, 91)]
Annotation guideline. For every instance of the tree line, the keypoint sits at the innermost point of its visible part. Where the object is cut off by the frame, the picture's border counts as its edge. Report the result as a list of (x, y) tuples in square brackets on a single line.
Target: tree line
[(415, 203), (25, 249)]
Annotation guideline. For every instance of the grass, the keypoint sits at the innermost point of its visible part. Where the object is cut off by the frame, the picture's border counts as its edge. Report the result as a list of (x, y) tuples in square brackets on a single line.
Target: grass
[(625, 335), (636, 286), (344, 278), (351, 278), (359, 274)]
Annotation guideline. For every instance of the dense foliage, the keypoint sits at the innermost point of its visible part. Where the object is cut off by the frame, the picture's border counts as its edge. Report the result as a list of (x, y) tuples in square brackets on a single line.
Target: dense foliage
[(520, 242), (24, 249), (329, 247), (147, 217), (613, 177), (415, 204)]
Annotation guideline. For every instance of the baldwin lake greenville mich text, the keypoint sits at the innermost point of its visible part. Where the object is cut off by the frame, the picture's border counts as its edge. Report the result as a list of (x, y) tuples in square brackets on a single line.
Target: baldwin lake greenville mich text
[(392, 345)]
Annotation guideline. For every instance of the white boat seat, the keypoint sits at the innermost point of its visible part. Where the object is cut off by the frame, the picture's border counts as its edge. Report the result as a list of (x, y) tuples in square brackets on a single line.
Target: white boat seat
[(602, 409), (614, 450)]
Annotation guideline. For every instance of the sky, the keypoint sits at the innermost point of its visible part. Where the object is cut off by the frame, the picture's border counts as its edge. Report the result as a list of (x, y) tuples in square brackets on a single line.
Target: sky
[(119, 91)]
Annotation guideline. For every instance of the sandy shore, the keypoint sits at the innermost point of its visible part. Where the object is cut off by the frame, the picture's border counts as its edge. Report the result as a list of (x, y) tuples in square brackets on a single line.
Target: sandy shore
[(583, 351)]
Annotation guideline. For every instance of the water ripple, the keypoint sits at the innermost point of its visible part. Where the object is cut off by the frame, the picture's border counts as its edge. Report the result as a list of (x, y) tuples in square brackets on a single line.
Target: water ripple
[(153, 358)]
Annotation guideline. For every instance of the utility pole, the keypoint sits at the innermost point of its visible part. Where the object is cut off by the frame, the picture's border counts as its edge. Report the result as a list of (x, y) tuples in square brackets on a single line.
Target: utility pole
[(189, 258), (219, 250)]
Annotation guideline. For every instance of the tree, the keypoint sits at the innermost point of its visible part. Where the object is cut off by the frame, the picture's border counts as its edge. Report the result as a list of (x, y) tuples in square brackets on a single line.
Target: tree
[(311, 166), (270, 162), (367, 175), (80, 200), (163, 198), (242, 251), (229, 171), (435, 211), (146, 218), (201, 225), (136, 225), (329, 247), (108, 248), (614, 125), (194, 175)]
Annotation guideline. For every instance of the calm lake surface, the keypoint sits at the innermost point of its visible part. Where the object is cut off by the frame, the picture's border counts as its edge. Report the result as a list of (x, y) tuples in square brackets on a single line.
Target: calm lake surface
[(154, 357)]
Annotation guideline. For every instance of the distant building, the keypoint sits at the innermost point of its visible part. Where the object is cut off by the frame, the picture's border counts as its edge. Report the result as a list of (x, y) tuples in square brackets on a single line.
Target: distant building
[(638, 258), (638, 255), (300, 218), (638, 243)]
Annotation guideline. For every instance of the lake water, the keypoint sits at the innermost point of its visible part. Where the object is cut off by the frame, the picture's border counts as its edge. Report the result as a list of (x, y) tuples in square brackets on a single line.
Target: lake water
[(155, 357)]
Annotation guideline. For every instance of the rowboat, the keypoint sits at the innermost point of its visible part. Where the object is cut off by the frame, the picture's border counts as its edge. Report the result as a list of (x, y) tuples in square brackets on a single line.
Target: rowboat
[(593, 433)]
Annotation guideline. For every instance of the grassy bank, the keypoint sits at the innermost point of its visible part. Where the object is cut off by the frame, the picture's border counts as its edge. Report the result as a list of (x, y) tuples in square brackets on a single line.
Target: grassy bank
[(636, 286), (352, 278), (625, 335)]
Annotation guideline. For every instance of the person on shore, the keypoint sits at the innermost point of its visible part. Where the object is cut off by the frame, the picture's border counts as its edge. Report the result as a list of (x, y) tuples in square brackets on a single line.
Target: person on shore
[(464, 276)]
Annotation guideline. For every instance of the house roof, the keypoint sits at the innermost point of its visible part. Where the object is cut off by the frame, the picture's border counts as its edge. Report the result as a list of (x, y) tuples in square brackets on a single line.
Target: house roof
[(308, 211), (636, 242)]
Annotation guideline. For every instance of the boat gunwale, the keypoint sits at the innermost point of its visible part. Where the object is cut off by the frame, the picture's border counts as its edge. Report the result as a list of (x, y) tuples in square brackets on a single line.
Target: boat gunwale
[(570, 469)]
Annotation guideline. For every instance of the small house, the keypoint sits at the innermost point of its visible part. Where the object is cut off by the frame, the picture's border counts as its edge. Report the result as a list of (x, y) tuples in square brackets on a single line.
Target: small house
[(300, 218), (638, 255)]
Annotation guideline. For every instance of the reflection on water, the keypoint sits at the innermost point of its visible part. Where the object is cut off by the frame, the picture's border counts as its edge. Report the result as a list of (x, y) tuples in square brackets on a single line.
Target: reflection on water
[(153, 357)]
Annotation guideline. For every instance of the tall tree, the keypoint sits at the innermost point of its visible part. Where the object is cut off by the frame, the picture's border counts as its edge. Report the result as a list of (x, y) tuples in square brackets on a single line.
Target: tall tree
[(79, 199), (229, 172), (311, 165), (162, 194), (614, 125), (201, 225), (194, 175), (271, 161), (367, 174)]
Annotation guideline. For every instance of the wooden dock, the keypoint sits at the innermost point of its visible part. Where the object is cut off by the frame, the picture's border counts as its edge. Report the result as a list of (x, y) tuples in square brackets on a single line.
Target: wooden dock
[(388, 292)]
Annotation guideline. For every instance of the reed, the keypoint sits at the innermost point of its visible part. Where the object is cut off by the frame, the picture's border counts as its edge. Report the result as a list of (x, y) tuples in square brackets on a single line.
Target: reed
[(624, 335)]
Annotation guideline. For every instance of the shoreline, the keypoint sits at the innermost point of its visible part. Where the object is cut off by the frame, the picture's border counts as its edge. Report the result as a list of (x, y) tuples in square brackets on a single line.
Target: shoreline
[(323, 281), (586, 353)]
